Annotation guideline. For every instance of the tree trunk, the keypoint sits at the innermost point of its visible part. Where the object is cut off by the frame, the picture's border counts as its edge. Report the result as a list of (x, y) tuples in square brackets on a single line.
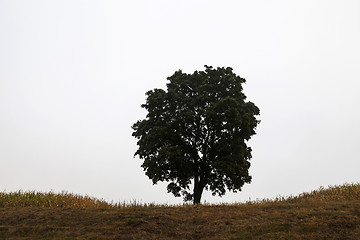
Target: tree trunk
[(198, 190)]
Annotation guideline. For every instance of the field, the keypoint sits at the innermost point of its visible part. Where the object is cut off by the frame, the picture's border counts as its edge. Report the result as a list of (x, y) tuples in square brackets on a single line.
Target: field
[(332, 213)]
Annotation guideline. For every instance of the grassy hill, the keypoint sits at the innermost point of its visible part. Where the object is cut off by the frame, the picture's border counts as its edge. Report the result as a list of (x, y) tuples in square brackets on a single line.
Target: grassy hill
[(332, 213)]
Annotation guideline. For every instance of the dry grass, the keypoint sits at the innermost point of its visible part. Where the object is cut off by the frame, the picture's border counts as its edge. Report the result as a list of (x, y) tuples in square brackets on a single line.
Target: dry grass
[(332, 213), (50, 200), (332, 193)]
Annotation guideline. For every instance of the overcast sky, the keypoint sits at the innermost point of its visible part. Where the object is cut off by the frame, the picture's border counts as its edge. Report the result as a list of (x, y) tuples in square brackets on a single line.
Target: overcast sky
[(73, 75)]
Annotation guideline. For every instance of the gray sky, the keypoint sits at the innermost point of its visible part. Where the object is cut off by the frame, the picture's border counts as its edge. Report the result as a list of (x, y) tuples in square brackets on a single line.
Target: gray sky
[(73, 76)]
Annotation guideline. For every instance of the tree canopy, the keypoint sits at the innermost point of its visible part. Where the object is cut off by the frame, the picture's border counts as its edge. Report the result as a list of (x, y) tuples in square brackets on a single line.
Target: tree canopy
[(195, 133)]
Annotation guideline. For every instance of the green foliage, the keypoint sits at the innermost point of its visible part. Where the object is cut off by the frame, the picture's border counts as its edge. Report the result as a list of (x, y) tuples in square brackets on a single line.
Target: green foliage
[(196, 132)]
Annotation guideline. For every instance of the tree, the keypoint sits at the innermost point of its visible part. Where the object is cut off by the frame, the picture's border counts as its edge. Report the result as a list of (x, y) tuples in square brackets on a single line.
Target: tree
[(195, 133)]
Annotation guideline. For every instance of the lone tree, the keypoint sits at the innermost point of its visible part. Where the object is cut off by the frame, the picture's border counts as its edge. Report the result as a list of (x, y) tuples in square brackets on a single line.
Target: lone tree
[(195, 133)]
